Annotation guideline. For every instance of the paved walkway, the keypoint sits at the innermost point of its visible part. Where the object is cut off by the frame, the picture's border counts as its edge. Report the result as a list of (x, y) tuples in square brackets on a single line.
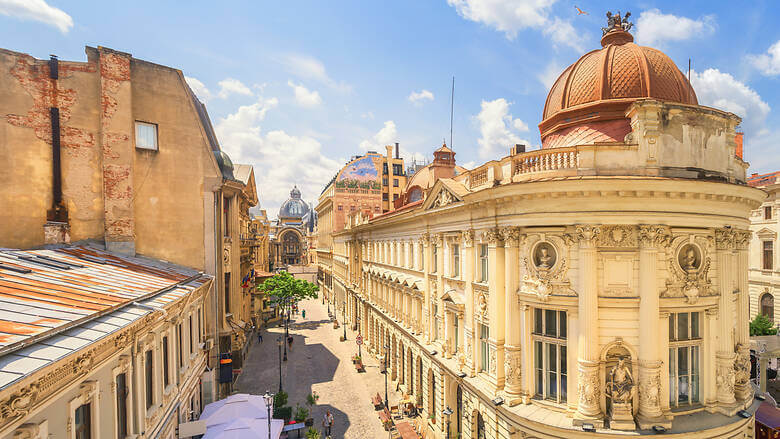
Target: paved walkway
[(320, 362)]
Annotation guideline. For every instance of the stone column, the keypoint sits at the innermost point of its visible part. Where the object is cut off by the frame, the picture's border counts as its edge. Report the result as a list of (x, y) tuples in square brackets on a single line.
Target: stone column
[(512, 349), (427, 256), (439, 240), (742, 388), (588, 382), (496, 303), (724, 357), (468, 320), (650, 360)]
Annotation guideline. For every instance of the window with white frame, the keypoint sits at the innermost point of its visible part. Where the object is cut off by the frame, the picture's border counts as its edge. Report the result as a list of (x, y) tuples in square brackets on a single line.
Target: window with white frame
[(455, 332), (684, 353), (768, 255), (435, 261), (121, 405), (484, 335), (145, 135), (483, 263), (768, 212), (165, 361), (149, 378), (421, 257), (83, 421), (550, 359), (455, 260)]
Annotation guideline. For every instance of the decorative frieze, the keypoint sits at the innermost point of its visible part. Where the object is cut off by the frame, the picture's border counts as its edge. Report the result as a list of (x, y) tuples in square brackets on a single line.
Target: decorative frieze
[(688, 272), (654, 236), (617, 236), (512, 366)]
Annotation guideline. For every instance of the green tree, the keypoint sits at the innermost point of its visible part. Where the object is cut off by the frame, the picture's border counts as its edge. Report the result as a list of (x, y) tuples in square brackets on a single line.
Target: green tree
[(761, 325), (285, 290)]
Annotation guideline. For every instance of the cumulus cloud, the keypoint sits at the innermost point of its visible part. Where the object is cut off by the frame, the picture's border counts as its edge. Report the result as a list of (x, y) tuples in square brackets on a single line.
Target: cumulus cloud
[(549, 74), (280, 159), (37, 10), (498, 129), (388, 135), (767, 63), (304, 97), (227, 87), (654, 27), (721, 90), (512, 16), (418, 97), (310, 68)]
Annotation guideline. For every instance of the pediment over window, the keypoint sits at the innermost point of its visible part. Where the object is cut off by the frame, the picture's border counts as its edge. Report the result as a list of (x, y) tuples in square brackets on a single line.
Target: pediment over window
[(766, 233), (445, 192)]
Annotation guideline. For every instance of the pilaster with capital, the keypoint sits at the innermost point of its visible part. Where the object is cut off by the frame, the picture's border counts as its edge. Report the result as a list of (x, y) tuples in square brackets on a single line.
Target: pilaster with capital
[(427, 266), (742, 388), (467, 237), (496, 301), (512, 349), (588, 384), (725, 243), (651, 237)]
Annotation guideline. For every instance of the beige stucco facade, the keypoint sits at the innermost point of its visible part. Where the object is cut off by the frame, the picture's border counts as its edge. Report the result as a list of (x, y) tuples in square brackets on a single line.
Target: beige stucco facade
[(764, 273), (512, 292)]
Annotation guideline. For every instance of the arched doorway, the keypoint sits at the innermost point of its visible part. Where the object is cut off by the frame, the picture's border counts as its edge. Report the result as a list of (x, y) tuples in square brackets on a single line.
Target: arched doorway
[(432, 394), (459, 409), (419, 380), (479, 425), (402, 361), (768, 306), (291, 248)]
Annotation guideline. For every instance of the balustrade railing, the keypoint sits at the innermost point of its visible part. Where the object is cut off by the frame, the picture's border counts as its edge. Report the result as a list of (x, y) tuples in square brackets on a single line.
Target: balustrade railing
[(478, 178), (552, 159)]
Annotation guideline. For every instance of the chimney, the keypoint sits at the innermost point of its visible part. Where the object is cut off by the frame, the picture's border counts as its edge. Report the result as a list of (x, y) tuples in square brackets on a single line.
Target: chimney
[(517, 149), (738, 140), (56, 230), (397, 151)]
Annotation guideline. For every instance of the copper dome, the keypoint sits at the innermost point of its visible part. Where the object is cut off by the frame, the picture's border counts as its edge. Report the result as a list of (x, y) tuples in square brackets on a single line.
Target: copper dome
[(603, 83)]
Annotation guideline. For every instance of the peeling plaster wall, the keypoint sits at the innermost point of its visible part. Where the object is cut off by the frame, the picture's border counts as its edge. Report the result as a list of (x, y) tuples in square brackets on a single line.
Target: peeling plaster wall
[(153, 200)]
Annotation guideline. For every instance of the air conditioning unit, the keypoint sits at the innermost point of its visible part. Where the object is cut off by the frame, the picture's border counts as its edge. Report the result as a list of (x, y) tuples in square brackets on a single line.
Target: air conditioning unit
[(207, 345)]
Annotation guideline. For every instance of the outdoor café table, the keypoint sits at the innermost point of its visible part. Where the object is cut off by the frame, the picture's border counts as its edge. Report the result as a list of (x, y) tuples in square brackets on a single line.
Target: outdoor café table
[(406, 430), (290, 427)]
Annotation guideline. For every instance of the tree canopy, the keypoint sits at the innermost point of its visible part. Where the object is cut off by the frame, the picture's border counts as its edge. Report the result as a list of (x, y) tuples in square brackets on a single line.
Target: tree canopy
[(761, 325), (286, 289)]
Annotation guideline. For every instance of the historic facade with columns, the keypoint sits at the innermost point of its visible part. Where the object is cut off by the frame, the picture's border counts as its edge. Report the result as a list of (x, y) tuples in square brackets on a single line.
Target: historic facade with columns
[(598, 283)]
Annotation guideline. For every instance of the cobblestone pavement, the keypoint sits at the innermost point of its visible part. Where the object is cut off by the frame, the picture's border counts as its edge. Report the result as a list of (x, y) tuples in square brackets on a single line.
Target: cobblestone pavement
[(320, 362)]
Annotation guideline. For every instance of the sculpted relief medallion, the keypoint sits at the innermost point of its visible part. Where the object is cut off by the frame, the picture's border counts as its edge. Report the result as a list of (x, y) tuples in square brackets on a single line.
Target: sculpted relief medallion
[(545, 273), (544, 256), (688, 269), (689, 258)]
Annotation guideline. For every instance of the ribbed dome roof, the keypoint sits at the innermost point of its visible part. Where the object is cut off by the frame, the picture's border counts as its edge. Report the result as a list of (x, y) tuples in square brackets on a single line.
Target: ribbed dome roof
[(294, 207), (612, 78)]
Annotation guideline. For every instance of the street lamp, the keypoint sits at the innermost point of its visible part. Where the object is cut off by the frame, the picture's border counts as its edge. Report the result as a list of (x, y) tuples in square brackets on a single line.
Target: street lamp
[(286, 326), (345, 320), (280, 342), (447, 412), (268, 398), (387, 362)]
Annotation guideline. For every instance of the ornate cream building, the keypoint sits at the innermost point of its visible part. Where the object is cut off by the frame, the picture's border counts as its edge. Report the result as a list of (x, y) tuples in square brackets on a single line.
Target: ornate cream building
[(599, 283), (764, 272)]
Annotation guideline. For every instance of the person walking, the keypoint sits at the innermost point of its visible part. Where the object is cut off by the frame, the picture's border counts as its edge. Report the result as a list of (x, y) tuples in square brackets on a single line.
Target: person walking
[(327, 423), (259, 337), (303, 314), (289, 341)]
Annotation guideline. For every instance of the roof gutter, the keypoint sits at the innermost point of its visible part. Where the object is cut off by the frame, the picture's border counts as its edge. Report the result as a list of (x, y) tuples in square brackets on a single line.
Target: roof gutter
[(70, 325)]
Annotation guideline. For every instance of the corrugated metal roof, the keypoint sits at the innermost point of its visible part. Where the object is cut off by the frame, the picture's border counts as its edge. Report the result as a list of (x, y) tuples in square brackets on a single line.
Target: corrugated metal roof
[(43, 292)]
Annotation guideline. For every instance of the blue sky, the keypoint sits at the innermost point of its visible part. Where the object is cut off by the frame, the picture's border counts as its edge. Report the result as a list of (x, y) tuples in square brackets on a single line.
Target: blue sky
[(297, 88)]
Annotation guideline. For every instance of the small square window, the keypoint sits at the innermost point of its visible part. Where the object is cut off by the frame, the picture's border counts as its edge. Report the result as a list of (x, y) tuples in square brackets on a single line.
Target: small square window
[(145, 135)]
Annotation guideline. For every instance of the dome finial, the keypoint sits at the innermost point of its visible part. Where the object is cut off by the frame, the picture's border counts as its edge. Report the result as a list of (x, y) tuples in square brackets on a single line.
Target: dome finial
[(617, 29)]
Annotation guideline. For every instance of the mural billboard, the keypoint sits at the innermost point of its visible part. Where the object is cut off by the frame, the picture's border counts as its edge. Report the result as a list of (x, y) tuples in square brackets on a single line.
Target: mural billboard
[(362, 173)]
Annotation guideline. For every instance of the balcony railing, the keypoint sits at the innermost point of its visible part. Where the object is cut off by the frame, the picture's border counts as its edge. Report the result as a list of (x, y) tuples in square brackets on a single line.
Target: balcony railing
[(479, 178), (553, 159)]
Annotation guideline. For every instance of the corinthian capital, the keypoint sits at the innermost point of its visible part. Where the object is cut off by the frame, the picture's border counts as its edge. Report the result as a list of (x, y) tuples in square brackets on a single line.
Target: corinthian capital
[(467, 236), (511, 236), (653, 235), (742, 239), (437, 239), (492, 236), (587, 233), (725, 238), (425, 239)]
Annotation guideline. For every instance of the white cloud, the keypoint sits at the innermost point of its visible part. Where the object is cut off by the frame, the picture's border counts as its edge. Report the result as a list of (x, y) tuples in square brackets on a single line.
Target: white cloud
[(229, 86), (200, 89), (308, 67), (388, 135), (767, 63), (304, 97), (549, 74), (654, 27), (367, 115), (498, 129), (37, 10), (280, 159), (470, 165), (417, 97), (512, 16), (721, 90)]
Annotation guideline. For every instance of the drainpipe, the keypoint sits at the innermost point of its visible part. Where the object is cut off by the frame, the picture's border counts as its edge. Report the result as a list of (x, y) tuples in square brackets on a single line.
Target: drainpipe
[(56, 230)]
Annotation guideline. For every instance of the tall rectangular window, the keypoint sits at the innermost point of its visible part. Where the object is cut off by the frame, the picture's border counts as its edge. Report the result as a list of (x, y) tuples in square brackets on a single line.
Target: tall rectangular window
[(550, 359), (421, 262), (455, 332), (226, 216), (227, 293), (181, 348), (145, 135), (395, 182), (455, 260), (192, 334), (767, 212), (121, 405), (200, 328), (83, 422), (684, 347), (166, 368), (435, 320), (768, 255), (483, 263), (484, 334), (149, 376), (435, 261)]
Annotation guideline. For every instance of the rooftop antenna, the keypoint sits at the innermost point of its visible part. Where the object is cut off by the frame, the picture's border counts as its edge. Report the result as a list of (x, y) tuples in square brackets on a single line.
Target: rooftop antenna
[(452, 108)]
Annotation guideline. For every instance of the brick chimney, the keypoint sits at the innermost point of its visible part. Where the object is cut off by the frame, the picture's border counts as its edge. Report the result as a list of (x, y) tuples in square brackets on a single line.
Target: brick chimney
[(738, 140)]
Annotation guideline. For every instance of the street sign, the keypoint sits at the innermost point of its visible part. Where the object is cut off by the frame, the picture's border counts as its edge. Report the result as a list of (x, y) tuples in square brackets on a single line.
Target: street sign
[(359, 340)]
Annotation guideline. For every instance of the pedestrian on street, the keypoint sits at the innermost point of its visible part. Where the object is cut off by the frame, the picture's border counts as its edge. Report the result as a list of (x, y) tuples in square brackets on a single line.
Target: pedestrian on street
[(260, 337), (303, 313), (327, 423), (289, 341)]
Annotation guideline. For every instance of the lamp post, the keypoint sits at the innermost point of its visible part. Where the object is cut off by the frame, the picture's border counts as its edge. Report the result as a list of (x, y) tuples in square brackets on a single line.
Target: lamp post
[(345, 320), (268, 398), (286, 326), (280, 342), (387, 358), (447, 412)]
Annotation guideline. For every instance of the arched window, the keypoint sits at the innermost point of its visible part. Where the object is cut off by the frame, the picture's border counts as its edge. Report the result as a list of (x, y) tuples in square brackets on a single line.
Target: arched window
[(768, 306), (480, 426), (415, 194)]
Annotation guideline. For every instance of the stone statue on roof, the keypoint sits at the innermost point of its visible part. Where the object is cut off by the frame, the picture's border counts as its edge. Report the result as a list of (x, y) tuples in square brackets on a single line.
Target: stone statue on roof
[(616, 22)]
